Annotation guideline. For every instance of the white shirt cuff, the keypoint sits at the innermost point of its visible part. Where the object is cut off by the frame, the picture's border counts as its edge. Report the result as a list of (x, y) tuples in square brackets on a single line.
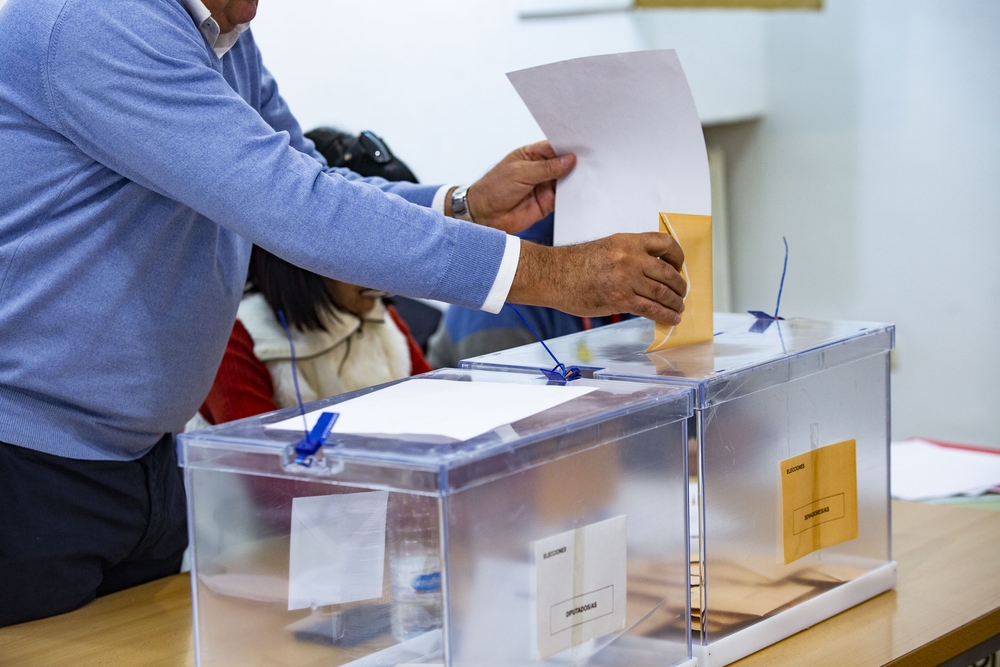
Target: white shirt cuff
[(505, 276), (438, 203)]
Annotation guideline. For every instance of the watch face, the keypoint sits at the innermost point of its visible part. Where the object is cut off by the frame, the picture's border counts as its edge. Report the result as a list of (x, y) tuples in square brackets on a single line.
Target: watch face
[(459, 203)]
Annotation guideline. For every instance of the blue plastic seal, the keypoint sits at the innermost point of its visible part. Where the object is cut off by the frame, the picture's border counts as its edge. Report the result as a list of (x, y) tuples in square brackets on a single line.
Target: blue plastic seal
[(314, 439), (558, 374)]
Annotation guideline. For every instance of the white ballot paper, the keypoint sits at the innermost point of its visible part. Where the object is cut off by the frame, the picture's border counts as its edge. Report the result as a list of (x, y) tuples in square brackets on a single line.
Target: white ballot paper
[(632, 123), (337, 551), (459, 410), (580, 578)]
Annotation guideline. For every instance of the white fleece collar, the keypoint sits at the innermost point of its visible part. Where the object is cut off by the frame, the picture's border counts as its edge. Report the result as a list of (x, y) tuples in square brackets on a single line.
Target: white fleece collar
[(271, 343)]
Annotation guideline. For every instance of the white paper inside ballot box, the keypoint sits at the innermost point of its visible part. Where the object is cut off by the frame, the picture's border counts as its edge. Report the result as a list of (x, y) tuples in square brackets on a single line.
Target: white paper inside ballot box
[(337, 549), (580, 586)]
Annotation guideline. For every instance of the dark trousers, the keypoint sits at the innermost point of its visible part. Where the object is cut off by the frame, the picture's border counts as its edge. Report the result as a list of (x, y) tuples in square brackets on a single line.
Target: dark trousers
[(74, 530)]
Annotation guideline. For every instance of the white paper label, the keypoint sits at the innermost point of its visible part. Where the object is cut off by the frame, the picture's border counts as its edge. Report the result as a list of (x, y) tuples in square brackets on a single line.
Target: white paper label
[(580, 579), (337, 551)]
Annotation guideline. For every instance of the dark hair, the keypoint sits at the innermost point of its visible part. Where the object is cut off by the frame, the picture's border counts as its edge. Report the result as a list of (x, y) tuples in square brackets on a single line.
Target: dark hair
[(300, 294)]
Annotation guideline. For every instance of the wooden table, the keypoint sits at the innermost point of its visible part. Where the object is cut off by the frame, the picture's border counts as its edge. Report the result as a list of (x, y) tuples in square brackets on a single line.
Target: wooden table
[(947, 602)]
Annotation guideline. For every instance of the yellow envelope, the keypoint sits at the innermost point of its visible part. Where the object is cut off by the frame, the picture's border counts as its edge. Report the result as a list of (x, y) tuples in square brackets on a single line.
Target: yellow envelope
[(694, 235)]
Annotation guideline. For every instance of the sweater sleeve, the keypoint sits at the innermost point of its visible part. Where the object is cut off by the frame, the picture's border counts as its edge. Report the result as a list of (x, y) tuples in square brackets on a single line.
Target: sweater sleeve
[(131, 85), (243, 385)]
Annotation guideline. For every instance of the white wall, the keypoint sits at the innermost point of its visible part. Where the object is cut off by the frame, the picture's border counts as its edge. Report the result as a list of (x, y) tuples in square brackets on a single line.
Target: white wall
[(429, 76), (879, 158)]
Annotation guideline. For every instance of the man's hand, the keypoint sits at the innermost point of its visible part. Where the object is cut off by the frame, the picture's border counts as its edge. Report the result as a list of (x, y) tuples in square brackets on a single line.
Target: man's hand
[(624, 273), (520, 190)]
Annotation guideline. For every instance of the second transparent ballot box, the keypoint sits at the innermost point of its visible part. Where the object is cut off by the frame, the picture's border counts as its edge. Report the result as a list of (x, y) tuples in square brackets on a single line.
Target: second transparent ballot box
[(789, 463), (456, 518)]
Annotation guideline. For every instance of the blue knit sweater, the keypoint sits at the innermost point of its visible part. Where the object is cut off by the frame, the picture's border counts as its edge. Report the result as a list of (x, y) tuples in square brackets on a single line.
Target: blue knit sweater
[(136, 169)]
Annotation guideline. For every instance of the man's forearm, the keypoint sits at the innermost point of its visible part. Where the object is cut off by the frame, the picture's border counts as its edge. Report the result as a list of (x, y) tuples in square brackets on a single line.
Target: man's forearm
[(624, 273), (533, 283)]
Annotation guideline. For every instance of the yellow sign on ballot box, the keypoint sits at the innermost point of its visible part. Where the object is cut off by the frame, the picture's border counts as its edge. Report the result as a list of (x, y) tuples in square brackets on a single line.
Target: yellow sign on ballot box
[(819, 498)]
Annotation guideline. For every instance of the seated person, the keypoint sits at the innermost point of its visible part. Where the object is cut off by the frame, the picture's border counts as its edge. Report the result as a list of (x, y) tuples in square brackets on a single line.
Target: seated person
[(346, 337), (366, 154), (470, 333)]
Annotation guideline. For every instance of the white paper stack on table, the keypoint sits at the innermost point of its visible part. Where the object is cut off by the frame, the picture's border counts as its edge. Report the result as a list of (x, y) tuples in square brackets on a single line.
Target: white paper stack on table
[(923, 470)]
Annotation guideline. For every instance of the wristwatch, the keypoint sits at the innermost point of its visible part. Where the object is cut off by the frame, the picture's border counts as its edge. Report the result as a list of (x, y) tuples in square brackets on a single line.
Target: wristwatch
[(460, 204)]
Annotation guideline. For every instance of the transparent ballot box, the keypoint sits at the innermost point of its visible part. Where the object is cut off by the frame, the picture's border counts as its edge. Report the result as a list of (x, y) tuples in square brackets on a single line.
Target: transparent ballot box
[(789, 463), (456, 518)]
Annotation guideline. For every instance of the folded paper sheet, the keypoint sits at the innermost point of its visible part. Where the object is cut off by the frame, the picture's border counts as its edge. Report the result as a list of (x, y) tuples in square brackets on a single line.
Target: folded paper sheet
[(631, 120)]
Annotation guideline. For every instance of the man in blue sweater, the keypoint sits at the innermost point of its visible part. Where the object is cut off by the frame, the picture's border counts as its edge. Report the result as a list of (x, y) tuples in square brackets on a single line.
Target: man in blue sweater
[(145, 148)]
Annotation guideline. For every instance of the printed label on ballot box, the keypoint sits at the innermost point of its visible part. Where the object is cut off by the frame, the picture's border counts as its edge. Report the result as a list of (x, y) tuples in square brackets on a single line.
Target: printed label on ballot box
[(580, 578), (819, 498)]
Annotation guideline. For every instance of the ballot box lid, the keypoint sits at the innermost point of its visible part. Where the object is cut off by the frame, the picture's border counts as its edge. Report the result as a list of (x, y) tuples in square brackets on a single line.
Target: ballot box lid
[(744, 355), (442, 431)]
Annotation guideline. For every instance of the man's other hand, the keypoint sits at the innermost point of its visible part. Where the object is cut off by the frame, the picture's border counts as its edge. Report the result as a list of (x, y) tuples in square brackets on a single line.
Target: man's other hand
[(520, 190), (624, 273)]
